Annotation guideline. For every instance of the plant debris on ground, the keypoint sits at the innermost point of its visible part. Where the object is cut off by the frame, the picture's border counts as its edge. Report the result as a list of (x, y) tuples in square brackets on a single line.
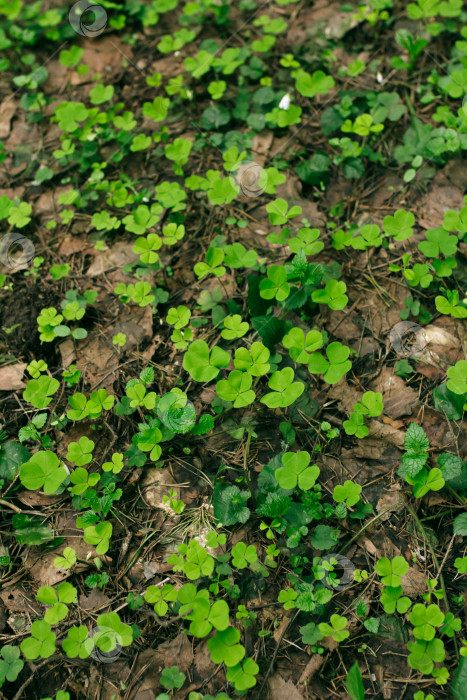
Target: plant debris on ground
[(233, 366)]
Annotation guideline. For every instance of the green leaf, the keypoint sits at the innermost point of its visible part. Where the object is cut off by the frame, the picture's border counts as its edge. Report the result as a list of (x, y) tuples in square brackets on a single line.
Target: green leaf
[(324, 537), (460, 525), (224, 647), (285, 390), (12, 455), (39, 391), (459, 682), (43, 470), (391, 571), (202, 364), (354, 683)]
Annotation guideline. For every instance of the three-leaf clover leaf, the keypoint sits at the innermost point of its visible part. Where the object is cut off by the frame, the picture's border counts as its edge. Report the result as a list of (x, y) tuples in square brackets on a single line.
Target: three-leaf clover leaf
[(10, 663), (285, 390), (41, 643), (348, 492), (224, 647), (333, 295), (236, 388), (335, 366), (296, 471), (425, 619), (336, 629), (39, 391), (80, 452), (253, 360), (203, 364), (43, 470), (391, 570), (275, 286)]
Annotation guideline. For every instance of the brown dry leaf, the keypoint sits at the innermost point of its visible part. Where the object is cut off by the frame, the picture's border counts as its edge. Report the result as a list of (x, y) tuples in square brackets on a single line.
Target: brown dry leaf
[(95, 601), (40, 565), (398, 399), (391, 502), (280, 689), (155, 485), (435, 203), (11, 377), (414, 582), (112, 258), (7, 111), (152, 662), (203, 663), (17, 599)]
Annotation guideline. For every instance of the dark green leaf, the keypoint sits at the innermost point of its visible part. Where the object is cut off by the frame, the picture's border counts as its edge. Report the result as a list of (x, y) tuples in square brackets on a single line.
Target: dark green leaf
[(354, 683)]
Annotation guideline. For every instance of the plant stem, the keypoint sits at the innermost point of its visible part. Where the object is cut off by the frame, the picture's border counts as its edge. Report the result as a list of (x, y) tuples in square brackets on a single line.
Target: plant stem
[(245, 461)]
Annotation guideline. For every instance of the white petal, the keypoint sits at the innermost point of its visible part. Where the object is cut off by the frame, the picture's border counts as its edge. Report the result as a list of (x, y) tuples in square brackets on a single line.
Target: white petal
[(285, 102)]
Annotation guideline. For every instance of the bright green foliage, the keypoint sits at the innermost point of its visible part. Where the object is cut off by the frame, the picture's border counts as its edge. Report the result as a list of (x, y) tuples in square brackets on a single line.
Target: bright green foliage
[(354, 683), (391, 599), (66, 560), (391, 570), (99, 536), (296, 471), (243, 675), (77, 643), (138, 293), (202, 364), (224, 647), (348, 493), (230, 505), (457, 377), (300, 346), (160, 597), (139, 396), (423, 654), (237, 256), (333, 295), (172, 678), (450, 305), (275, 286), (236, 388), (285, 390), (203, 616), (193, 560), (425, 481), (82, 480), (425, 618), (234, 327), (36, 367), (438, 241), (306, 241), (10, 664), (335, 366), (416, 445), (178, 317), (59, 598), (336, 629), (41, 643), (116, 465), (253, 360), (43, 471), (288, 597), (243, 555), (214, 258), (317, 83), (279, 212), (146, 248), (39, 391), (80, 452)]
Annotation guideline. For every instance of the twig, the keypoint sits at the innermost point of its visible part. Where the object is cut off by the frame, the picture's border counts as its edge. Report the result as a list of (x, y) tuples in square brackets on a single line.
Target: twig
[(286, 627), (31, 678)]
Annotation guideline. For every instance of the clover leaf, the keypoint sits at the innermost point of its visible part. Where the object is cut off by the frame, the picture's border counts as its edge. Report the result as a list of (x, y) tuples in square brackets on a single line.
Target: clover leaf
[(43, 470), (203, 364), (425, 481), (254, 360), (391, 571), (243, 675), (39, 391), (336, 629), (224, 647), (400, 226), (41, 643), (285, 390), (236, 388), (457, 377), (300, 346), (275, 286), (295, 470), (425, 619), (80, 452), (349, 492), (335, 366), (10, 663), (234, 327), (333, 295)]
